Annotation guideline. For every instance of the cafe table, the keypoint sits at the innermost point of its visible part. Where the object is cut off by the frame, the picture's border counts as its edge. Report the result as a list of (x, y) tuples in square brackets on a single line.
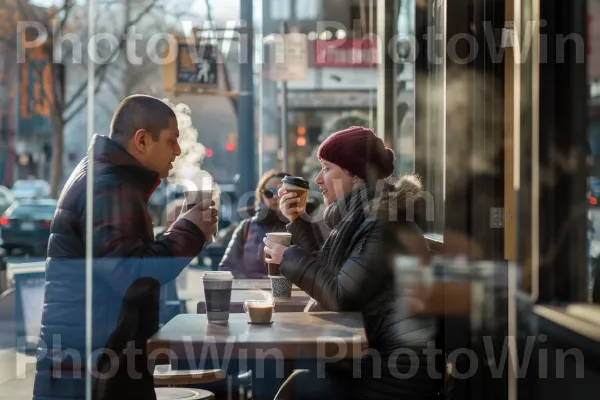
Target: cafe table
[(295, 303), (291, 335), (270, 352)]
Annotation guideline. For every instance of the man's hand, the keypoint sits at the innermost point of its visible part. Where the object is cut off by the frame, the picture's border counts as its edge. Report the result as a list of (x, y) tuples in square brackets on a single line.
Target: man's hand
[(204, 216)]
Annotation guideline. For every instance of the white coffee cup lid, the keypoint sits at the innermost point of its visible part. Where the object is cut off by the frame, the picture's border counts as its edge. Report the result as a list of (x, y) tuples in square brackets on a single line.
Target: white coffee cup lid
[(218, 275), (279, 234)]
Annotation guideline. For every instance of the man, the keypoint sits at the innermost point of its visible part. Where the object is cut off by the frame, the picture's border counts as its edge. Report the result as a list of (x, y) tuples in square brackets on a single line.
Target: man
[(129, 263)]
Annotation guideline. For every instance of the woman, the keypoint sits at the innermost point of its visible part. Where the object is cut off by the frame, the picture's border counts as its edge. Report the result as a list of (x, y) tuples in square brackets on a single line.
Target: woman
[(244, 256), (371, 222)]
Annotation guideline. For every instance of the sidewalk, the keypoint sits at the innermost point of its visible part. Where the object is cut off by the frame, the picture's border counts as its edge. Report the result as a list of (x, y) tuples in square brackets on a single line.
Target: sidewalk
[(11, 386), (11, 363)]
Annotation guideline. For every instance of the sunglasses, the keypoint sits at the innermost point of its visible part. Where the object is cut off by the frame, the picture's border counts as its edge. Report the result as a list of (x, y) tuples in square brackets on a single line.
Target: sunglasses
[(270, 193)]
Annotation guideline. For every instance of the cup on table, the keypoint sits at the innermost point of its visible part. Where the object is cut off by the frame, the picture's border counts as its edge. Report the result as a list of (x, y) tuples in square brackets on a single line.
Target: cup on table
[(297, 185), (282, 238), (217, 295), (281, 287), (259, 311)]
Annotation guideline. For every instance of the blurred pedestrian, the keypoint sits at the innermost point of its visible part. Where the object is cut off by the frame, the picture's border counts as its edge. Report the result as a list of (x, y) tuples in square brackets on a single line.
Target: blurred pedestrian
[(129, 263), (371, 219), (244, 256)]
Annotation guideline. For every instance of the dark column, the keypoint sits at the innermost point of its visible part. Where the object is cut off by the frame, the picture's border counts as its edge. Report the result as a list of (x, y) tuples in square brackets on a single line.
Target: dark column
[(246, 139)]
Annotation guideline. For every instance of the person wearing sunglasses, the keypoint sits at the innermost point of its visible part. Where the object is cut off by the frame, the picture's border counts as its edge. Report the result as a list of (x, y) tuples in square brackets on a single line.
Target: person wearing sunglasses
[(244, 256)]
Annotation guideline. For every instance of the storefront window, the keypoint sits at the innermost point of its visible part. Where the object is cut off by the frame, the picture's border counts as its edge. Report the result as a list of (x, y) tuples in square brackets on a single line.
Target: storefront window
[(405, 110), (429, 110), (593, 137)]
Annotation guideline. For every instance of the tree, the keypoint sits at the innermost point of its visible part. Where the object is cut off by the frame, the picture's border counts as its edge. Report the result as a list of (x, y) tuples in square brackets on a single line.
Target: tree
[(312, 166), (58, 22)]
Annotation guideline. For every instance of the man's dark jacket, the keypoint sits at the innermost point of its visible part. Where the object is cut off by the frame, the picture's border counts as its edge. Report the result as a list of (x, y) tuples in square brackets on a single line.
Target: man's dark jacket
[(129, 267)]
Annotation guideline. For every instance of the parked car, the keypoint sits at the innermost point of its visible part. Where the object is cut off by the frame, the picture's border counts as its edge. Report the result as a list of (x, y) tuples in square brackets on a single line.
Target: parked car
[(31, 189), (6, 198), (26, 225)]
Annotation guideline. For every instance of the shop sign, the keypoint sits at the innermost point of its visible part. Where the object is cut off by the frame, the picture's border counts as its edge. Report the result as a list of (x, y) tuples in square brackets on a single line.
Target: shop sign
[(290, 58), (36, 93), (345, 53)]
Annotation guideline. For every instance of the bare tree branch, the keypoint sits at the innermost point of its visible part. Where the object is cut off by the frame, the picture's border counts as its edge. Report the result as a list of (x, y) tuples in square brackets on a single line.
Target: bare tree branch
[(113, 89), (67, 9), (83, 103), (103, 67), (25, 11)]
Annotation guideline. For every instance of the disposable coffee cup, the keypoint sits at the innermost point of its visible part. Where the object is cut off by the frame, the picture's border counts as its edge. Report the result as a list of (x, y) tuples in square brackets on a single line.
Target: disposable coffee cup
[(297, 185), (281, 287), (194, 197), (282, 238), (217, 295), (259, 311)]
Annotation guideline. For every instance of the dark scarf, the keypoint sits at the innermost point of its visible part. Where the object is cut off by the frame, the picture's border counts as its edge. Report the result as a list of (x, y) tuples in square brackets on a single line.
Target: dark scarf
[(344, 217)]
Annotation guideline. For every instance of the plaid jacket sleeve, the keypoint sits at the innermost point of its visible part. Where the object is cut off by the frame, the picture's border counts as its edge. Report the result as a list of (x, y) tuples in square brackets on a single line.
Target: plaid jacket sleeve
[(122, 250)]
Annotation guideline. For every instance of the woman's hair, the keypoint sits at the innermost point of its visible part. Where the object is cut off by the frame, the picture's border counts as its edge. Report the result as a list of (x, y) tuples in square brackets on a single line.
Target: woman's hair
[(263, 181)]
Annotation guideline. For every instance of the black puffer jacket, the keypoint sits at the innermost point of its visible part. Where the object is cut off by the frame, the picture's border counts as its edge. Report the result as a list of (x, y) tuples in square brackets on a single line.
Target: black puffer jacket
[(365, 283), (126, 257)]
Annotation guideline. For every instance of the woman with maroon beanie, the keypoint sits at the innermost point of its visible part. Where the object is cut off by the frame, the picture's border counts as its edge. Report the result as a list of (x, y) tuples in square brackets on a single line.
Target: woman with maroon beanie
[(371, 219)]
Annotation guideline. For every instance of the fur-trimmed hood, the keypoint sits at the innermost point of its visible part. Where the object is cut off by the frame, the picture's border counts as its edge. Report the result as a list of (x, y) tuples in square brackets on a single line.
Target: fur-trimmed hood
[(399, 198)]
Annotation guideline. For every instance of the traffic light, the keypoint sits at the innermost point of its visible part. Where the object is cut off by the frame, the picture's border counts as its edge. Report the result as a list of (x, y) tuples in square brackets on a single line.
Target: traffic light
[(301, 139), (209, 153), (231, 144)]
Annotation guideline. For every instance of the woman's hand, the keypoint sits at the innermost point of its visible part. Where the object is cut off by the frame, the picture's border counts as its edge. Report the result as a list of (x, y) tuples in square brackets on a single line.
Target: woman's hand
[(273, 251), (288, 205)]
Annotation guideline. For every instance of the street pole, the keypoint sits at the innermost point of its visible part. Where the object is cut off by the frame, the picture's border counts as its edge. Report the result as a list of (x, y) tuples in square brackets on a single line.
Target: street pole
[(284, 113), (127, 84), (245, 151)]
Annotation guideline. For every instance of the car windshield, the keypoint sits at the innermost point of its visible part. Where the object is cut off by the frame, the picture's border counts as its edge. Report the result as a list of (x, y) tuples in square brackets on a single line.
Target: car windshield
[(25, 190), (26, 210), (24, 184)]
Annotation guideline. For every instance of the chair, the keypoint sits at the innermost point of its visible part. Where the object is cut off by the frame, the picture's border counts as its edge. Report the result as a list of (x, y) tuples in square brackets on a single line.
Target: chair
[(183, 394), (8, 319), (164, 375), (166, 378)]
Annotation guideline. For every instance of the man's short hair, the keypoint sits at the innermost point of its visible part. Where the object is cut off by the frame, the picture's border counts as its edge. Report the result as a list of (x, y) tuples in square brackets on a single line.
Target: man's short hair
[(140, 112)]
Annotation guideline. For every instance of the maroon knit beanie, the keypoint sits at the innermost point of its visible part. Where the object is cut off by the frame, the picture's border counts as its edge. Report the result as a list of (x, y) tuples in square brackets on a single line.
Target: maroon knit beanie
[(359, 151)]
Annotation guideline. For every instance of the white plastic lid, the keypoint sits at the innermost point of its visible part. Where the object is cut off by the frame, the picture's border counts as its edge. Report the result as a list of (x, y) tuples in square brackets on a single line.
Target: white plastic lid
[(218, 275)]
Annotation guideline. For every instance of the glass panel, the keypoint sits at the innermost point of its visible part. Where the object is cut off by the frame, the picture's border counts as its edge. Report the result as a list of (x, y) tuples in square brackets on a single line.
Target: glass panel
[(405, 119), (593, 49), (281, 10), (308, 9), (429, 110), (339, 90)]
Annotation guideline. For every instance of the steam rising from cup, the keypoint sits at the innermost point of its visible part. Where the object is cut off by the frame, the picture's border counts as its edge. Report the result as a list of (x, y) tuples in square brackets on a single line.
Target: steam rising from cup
[(187, 174)]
